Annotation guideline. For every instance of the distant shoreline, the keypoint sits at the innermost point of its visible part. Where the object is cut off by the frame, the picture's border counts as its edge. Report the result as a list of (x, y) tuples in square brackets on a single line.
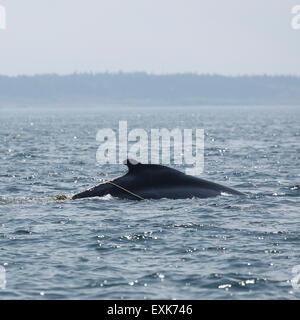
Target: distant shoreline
[(142, 89)]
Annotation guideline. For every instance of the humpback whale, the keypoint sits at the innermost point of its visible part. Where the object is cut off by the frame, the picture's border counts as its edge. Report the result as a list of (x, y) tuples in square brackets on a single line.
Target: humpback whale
[(153, 181)]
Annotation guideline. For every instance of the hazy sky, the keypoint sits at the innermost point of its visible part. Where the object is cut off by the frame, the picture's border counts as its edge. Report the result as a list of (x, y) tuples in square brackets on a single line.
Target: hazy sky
[(160, 36)]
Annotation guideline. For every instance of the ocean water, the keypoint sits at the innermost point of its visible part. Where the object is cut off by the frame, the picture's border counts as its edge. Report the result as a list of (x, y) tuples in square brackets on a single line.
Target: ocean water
[(227, 247)]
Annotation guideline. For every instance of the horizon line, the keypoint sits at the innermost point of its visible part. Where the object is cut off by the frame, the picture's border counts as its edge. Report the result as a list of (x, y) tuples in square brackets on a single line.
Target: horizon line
[(120, 72)]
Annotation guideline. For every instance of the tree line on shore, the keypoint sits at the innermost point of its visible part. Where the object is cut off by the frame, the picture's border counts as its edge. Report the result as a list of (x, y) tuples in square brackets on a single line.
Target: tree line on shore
[(151, 89)]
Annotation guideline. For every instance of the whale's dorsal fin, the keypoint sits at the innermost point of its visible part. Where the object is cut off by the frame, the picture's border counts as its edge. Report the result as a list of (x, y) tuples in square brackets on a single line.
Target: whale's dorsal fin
[(131, 164), (135, 166)]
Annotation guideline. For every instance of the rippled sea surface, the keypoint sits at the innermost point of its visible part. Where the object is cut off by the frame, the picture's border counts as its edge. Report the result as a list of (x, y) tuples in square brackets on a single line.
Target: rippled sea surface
[(228, 247)]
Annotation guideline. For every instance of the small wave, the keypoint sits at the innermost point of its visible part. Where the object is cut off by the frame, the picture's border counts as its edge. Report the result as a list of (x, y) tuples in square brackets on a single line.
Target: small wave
[(225, 194), (107, 197), (278, 194), (138, 237), (22, 232)]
